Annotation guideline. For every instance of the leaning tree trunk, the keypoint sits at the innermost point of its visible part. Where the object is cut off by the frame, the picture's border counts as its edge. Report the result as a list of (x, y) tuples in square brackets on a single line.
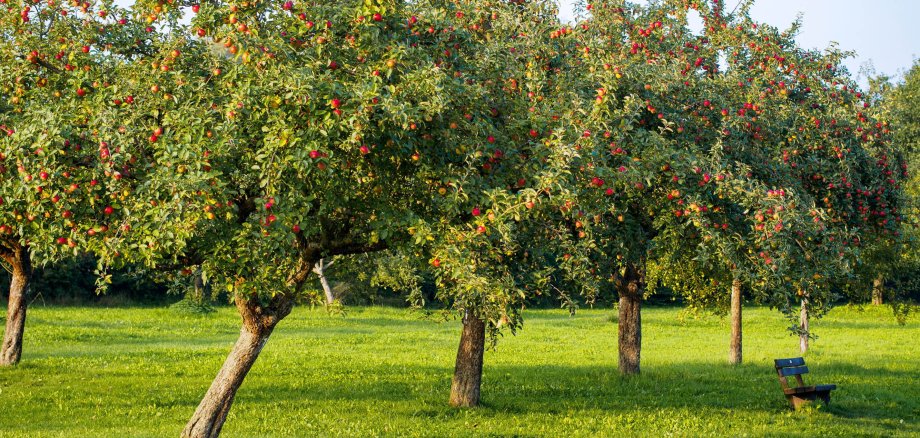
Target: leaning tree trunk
[(629, 288), (878, 288), (465, 386), (734, 352), (21, 263), (319, 268), (258, 322), (803, 326)]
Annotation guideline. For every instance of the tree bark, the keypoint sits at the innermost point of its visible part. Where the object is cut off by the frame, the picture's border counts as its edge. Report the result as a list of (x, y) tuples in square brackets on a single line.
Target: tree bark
[(467, 381), (258, 323), (319, 269), (21, 263), (878, 288), (734, 352), (201, 292), (629, 288), (803, 326)]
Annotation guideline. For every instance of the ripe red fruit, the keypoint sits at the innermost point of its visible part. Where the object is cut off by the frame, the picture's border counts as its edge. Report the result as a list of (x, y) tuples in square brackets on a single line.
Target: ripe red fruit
[(365, 150), (378, 17), (295, 228), (85, 49), (202, 32), (108, 210), (288, 6), (335, 103), (43, 175), (481, 229), (436, 263), (81, 92), (62, 240), (476, 211), (314, 154), (196, 8)]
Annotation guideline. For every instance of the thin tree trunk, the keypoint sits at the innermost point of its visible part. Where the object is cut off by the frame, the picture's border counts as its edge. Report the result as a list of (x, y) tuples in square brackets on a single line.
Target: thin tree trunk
[(21, 263), (201, 293), (629, 288), (878, 288), (465, 386), (258, 323), (319, 269), (734, 353), (803, 326)]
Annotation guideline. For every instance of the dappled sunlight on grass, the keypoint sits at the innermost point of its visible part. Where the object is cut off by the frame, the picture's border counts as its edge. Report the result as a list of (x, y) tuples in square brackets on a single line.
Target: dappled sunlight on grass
[(382, 371)]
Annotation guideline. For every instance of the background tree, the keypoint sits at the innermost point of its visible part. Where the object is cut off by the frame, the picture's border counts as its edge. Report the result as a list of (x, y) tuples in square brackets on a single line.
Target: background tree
[(691, 136)]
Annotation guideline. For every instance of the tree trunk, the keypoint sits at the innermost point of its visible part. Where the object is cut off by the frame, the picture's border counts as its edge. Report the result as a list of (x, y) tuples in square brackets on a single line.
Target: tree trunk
[(201, 291), (319, 269), (465, 386), (878, 288), (258, 323), (803, 326), (21, 263), (629, 288), (734, 353)]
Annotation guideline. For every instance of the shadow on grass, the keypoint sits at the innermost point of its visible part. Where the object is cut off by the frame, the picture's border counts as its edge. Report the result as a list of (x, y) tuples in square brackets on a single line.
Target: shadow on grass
[(553, 389)]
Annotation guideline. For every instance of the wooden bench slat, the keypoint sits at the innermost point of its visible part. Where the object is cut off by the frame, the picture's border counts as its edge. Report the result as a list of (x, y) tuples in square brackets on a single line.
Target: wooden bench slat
[(793, 371), (792, 362), (810, 389)]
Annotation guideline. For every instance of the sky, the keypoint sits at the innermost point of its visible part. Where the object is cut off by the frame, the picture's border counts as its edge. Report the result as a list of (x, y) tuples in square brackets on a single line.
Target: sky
[(885, 33)]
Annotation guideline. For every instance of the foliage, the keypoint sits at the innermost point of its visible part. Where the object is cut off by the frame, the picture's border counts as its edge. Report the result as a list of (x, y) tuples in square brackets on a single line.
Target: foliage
[(80, 165), (733, 151), (73, 281)]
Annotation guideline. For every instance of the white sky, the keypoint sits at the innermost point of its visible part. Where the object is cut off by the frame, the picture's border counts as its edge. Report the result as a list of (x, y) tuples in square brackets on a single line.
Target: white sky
[(883, 32)]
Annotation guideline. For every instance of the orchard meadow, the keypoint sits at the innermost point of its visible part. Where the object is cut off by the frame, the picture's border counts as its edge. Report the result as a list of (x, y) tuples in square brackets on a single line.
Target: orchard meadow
[(466, 165)]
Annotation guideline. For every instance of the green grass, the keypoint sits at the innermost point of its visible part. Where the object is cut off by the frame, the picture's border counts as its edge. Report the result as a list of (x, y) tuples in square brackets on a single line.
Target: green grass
[(382, 371)]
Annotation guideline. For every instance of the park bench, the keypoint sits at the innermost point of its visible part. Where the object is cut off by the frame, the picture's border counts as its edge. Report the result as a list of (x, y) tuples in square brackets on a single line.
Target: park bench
[(798, 395)]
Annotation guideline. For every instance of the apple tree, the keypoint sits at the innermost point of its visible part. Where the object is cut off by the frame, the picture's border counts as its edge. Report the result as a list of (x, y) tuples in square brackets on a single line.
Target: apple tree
[(338, 129), (679, 158), (80, 166)]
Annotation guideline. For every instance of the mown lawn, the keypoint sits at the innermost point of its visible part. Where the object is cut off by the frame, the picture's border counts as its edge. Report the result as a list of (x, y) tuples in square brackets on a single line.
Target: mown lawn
[(386, 372)]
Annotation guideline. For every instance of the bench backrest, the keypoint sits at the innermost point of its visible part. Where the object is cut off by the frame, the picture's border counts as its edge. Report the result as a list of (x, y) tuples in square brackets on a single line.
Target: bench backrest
[(791, 367)]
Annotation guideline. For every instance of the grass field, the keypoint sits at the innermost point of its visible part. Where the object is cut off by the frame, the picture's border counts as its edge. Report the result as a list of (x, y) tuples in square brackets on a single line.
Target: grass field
[(382, 371)]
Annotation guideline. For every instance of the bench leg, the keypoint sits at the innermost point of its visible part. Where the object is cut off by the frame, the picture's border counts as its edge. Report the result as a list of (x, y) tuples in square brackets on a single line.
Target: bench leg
[(799, 400)]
